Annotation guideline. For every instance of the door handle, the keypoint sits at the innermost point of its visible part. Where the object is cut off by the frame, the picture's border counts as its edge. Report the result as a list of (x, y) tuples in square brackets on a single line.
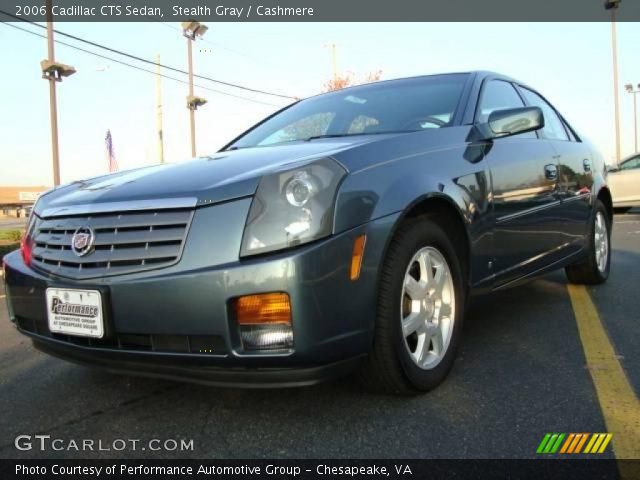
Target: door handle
[(586, 163), (551, 172)]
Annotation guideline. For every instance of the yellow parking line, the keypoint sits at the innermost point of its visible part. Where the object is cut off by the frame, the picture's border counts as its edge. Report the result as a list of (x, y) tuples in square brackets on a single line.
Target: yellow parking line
[(619, 404)]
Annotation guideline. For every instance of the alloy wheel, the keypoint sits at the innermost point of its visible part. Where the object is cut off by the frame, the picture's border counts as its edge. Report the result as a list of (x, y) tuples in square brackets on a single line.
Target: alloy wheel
[(601, 242), (427, 310)]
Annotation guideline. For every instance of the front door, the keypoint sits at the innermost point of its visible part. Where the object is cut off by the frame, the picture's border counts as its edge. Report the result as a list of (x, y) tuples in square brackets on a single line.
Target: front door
[(524, 178)]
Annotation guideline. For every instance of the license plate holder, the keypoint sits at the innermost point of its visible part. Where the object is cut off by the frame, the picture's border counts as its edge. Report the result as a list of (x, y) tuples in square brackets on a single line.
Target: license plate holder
[(77, 312)]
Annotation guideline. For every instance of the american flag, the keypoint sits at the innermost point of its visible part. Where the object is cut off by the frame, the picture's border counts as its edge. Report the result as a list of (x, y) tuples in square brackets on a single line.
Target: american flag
[(111, 156)]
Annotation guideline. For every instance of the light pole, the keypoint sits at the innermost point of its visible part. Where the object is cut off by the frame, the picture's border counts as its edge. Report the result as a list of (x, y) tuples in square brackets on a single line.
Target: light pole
[(54, 72), (334, 61), (629, 88), (159, 111), (613, 5), (192, 30)]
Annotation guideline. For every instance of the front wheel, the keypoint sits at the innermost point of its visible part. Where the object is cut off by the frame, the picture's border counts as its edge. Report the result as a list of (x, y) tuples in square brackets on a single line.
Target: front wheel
[(594, 269), (420, 310)]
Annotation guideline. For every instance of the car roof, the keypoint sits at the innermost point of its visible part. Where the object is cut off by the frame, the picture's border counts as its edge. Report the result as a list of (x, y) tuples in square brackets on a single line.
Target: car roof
[(478, 75)]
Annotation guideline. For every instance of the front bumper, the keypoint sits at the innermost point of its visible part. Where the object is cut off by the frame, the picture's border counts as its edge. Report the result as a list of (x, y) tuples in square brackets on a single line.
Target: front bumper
[(156, 322), (194, 370)]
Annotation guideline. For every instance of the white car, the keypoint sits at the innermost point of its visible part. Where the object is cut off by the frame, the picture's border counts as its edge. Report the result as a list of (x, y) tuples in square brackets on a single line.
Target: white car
[(624, 182)]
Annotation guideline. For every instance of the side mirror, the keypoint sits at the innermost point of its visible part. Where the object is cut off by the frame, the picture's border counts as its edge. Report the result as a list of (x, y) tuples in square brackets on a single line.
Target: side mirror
[(504, 123), (612, 168)]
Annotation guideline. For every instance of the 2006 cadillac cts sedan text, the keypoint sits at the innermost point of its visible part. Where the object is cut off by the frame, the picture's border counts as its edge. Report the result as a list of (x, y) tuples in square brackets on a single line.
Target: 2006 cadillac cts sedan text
[(345, 232)]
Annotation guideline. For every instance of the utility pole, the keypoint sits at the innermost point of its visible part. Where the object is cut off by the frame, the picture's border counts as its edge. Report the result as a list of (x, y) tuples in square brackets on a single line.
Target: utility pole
[(192, 30), (159, 110), (334, 61), (53, 101), (53, 72), (192, 110), (613, 5), (629, 88)]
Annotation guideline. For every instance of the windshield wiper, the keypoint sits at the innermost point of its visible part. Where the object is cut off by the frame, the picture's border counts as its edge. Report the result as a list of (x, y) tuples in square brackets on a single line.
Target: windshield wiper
[(338, 135), (316, 137)]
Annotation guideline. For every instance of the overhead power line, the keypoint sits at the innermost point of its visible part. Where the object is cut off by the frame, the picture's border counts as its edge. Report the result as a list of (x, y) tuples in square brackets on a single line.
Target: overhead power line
[(219, 46), (151, 62), (137, 67)]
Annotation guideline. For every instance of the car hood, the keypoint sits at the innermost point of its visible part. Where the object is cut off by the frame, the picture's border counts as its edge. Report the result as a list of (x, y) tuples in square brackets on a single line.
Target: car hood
[(220, 177)]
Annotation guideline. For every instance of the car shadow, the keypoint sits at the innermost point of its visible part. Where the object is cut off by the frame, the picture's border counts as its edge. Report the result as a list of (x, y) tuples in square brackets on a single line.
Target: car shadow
[(500, 383)]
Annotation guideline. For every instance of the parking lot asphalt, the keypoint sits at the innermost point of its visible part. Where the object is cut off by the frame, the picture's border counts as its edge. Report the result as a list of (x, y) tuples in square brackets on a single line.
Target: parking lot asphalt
[(521, 372)]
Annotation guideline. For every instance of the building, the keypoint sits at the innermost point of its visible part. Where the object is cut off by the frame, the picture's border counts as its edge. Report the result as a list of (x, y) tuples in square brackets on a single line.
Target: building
[(15, 201)]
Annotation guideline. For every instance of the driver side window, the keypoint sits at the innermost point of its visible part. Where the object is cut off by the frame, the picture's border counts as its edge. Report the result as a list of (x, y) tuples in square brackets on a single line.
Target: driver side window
[(499, 95)]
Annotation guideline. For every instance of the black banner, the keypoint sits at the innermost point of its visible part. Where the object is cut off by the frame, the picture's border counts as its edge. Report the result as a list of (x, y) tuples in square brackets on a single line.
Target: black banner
[(325, 10), (534, 469)]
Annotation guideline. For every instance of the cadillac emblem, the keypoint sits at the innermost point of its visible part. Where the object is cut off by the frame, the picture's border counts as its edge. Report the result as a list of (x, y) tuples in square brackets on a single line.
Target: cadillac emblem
[(82, 241)]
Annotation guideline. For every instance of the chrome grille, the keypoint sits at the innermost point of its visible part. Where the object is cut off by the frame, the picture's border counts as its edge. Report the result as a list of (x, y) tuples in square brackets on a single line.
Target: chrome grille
[(124, 243)]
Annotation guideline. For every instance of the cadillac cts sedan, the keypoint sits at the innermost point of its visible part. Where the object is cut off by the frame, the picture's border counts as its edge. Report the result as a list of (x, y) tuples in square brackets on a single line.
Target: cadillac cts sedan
[(343, 233)]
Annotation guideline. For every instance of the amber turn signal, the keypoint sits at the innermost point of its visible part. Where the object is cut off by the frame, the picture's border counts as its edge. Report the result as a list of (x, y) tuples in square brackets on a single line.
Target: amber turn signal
[(356, 256), (266, 308)]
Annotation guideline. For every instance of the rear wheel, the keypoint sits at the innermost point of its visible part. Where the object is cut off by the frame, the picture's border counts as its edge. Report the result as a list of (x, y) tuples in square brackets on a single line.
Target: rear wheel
[(594, 269), (420, 310)]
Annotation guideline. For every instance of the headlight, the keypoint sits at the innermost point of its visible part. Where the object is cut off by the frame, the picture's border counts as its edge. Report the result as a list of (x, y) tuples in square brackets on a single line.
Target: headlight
[(293, 207)]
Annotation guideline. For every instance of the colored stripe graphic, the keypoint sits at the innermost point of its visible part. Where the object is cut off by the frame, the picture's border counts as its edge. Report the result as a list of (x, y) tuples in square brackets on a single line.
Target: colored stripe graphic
[(543, 443), (568, 442), (550, 443), (599, 440), (591, 442), (607, 439), (555, 447), (574, 442), (582, 441)]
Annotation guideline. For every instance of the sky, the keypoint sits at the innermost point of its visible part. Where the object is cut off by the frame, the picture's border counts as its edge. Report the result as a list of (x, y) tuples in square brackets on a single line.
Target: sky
[(569, 63)]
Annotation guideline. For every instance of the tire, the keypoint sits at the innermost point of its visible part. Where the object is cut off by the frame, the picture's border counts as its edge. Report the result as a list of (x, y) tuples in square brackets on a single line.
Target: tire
[(392, 366), (589, 271)]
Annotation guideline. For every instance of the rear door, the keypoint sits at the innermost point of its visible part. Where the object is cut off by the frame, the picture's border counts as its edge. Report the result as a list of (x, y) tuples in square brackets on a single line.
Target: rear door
[(524, 190), (575, 178)]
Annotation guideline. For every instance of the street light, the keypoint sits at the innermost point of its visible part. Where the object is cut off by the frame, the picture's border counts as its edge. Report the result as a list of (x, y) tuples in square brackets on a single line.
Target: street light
[(192, 30), (613, 5), (629, 88), (53, 72)]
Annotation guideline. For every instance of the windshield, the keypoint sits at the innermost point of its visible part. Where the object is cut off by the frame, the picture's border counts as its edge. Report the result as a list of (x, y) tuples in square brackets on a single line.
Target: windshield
[(397, 106)]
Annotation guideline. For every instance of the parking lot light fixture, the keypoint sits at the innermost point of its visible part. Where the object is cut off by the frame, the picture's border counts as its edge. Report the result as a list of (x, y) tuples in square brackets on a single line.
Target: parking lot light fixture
[(613, 5), (192, 30)]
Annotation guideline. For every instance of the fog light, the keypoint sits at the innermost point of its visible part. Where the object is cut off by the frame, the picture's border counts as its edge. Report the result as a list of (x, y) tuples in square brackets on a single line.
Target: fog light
[(264, 321), (266, 337)]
